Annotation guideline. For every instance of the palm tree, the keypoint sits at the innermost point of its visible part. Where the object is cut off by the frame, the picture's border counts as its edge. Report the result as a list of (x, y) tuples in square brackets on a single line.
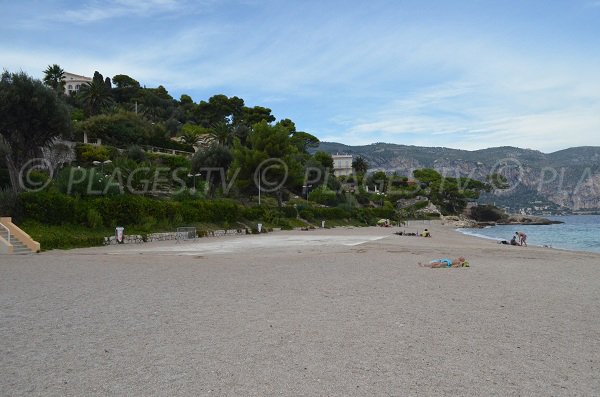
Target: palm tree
[(223, 134), (95, 97), (360, 165), (55, 78)]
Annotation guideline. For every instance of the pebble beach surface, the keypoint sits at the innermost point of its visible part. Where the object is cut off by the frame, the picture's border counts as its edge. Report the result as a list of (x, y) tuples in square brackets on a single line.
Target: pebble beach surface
[(344, 311)]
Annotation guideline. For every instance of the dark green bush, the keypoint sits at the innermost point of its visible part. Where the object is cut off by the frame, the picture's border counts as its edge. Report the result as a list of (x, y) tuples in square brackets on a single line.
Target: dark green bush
[(8, 202), (87, 153), (65, 237), (136, 154), (252, 213), (170, 161), (323, 195), (48, 207), (307, 213)]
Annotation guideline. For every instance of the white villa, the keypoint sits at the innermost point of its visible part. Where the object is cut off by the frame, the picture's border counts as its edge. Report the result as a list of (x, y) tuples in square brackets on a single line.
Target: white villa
[(73, 82), (342, 164)]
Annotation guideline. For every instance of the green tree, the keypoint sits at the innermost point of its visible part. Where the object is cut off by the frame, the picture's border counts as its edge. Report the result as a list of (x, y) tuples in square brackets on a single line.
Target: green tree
[(96, 95), (214, 163), (31, 116), (378, 179), (155, 103), (256, 114), (118, 129), (288, 124), (270, 156), (124, 81), (219, 109), (360, 165), (324, 159), (222, 133), (54, 76), (449, 194), (191, 134), (303, 141), (427, 175), (126, 88)]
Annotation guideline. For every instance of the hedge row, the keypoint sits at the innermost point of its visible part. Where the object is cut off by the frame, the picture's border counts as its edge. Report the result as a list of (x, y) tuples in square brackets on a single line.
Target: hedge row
[(65, 237), (58, 209), (54, 208), (368, 215)]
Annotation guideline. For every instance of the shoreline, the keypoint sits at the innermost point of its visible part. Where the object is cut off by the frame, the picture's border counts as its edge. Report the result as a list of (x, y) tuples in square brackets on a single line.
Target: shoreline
[(548, 243)]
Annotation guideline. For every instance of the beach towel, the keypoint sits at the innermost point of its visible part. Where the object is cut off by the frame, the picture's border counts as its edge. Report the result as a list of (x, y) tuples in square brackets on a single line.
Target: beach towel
[(445, 260)]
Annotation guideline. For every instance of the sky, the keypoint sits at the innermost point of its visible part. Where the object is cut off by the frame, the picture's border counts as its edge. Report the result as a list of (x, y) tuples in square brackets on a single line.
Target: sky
[(467, 74)]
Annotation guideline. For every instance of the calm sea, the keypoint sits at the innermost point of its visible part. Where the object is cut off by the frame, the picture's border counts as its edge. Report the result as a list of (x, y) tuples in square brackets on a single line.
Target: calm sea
[(578, 232)]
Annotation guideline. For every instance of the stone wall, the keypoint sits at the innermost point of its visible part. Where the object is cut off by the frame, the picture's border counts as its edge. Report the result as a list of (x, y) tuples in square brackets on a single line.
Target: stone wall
[(148, 238)]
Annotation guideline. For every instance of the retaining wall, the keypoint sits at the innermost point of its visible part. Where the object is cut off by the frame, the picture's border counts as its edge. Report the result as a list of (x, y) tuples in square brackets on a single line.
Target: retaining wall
[(148, 238)]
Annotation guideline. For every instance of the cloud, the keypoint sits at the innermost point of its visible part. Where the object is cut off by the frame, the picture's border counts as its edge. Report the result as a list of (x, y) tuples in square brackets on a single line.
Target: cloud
[(360, 74), (96, 11)]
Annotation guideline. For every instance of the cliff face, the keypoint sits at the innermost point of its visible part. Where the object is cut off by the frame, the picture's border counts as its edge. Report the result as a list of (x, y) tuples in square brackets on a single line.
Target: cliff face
[(568, 178)]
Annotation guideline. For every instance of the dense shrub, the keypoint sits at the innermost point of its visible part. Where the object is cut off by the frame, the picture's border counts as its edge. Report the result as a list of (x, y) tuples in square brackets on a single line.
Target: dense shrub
[(64, 237), (88, 153), (48, 207), (252, 213), (289, 211), (396, 195), (136, 154), (379, 213), (323, 195), (94, 219), (307, 213), (420, 205), (8, 202), (219, 210), (170, 161), (363, 197), (322, 213)]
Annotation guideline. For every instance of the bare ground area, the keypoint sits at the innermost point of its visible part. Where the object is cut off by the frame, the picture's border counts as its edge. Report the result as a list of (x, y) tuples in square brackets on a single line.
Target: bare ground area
[(325, 312)]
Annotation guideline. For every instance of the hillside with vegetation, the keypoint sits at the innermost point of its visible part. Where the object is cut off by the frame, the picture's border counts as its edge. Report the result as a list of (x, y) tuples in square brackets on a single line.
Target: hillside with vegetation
[(73, 167), (566, 180)]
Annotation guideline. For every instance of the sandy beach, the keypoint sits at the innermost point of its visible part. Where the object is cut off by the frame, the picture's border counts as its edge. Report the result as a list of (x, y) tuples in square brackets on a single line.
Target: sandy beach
[(338, 312)]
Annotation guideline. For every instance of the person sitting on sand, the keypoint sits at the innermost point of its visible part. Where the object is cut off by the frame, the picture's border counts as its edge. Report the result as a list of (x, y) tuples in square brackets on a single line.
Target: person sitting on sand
[(522, 238), (437, 263), (513, 241), (425, 233)]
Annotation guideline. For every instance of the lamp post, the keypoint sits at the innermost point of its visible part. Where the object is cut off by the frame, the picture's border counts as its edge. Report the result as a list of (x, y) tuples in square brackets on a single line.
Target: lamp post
[(102, 164), (306, 187), (194, 176), (105, 163)]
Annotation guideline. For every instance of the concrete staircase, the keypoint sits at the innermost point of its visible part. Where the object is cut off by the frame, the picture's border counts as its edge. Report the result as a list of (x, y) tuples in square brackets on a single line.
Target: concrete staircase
[(19, 242), (18, 247)]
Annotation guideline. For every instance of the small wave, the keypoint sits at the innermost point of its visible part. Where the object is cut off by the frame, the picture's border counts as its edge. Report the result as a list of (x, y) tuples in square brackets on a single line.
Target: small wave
[(468, 232)]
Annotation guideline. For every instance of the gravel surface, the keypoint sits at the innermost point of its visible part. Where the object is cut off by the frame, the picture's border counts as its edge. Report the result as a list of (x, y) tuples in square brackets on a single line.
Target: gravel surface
[(337, 312)]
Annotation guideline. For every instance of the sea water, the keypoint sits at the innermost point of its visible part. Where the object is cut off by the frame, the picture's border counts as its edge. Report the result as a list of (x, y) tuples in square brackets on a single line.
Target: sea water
[(578, 232)]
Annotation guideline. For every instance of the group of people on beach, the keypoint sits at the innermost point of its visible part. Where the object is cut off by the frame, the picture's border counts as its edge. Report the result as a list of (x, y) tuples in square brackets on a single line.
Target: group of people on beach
[(461, 262), (424, 233), (520, 236)]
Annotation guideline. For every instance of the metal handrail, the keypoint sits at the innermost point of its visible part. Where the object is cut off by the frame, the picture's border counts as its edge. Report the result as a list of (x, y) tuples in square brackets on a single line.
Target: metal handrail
[(8, 231)]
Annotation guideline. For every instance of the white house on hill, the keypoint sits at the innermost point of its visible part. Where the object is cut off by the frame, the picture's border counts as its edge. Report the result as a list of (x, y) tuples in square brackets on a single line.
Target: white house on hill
[(73, 82), (342, 164)]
